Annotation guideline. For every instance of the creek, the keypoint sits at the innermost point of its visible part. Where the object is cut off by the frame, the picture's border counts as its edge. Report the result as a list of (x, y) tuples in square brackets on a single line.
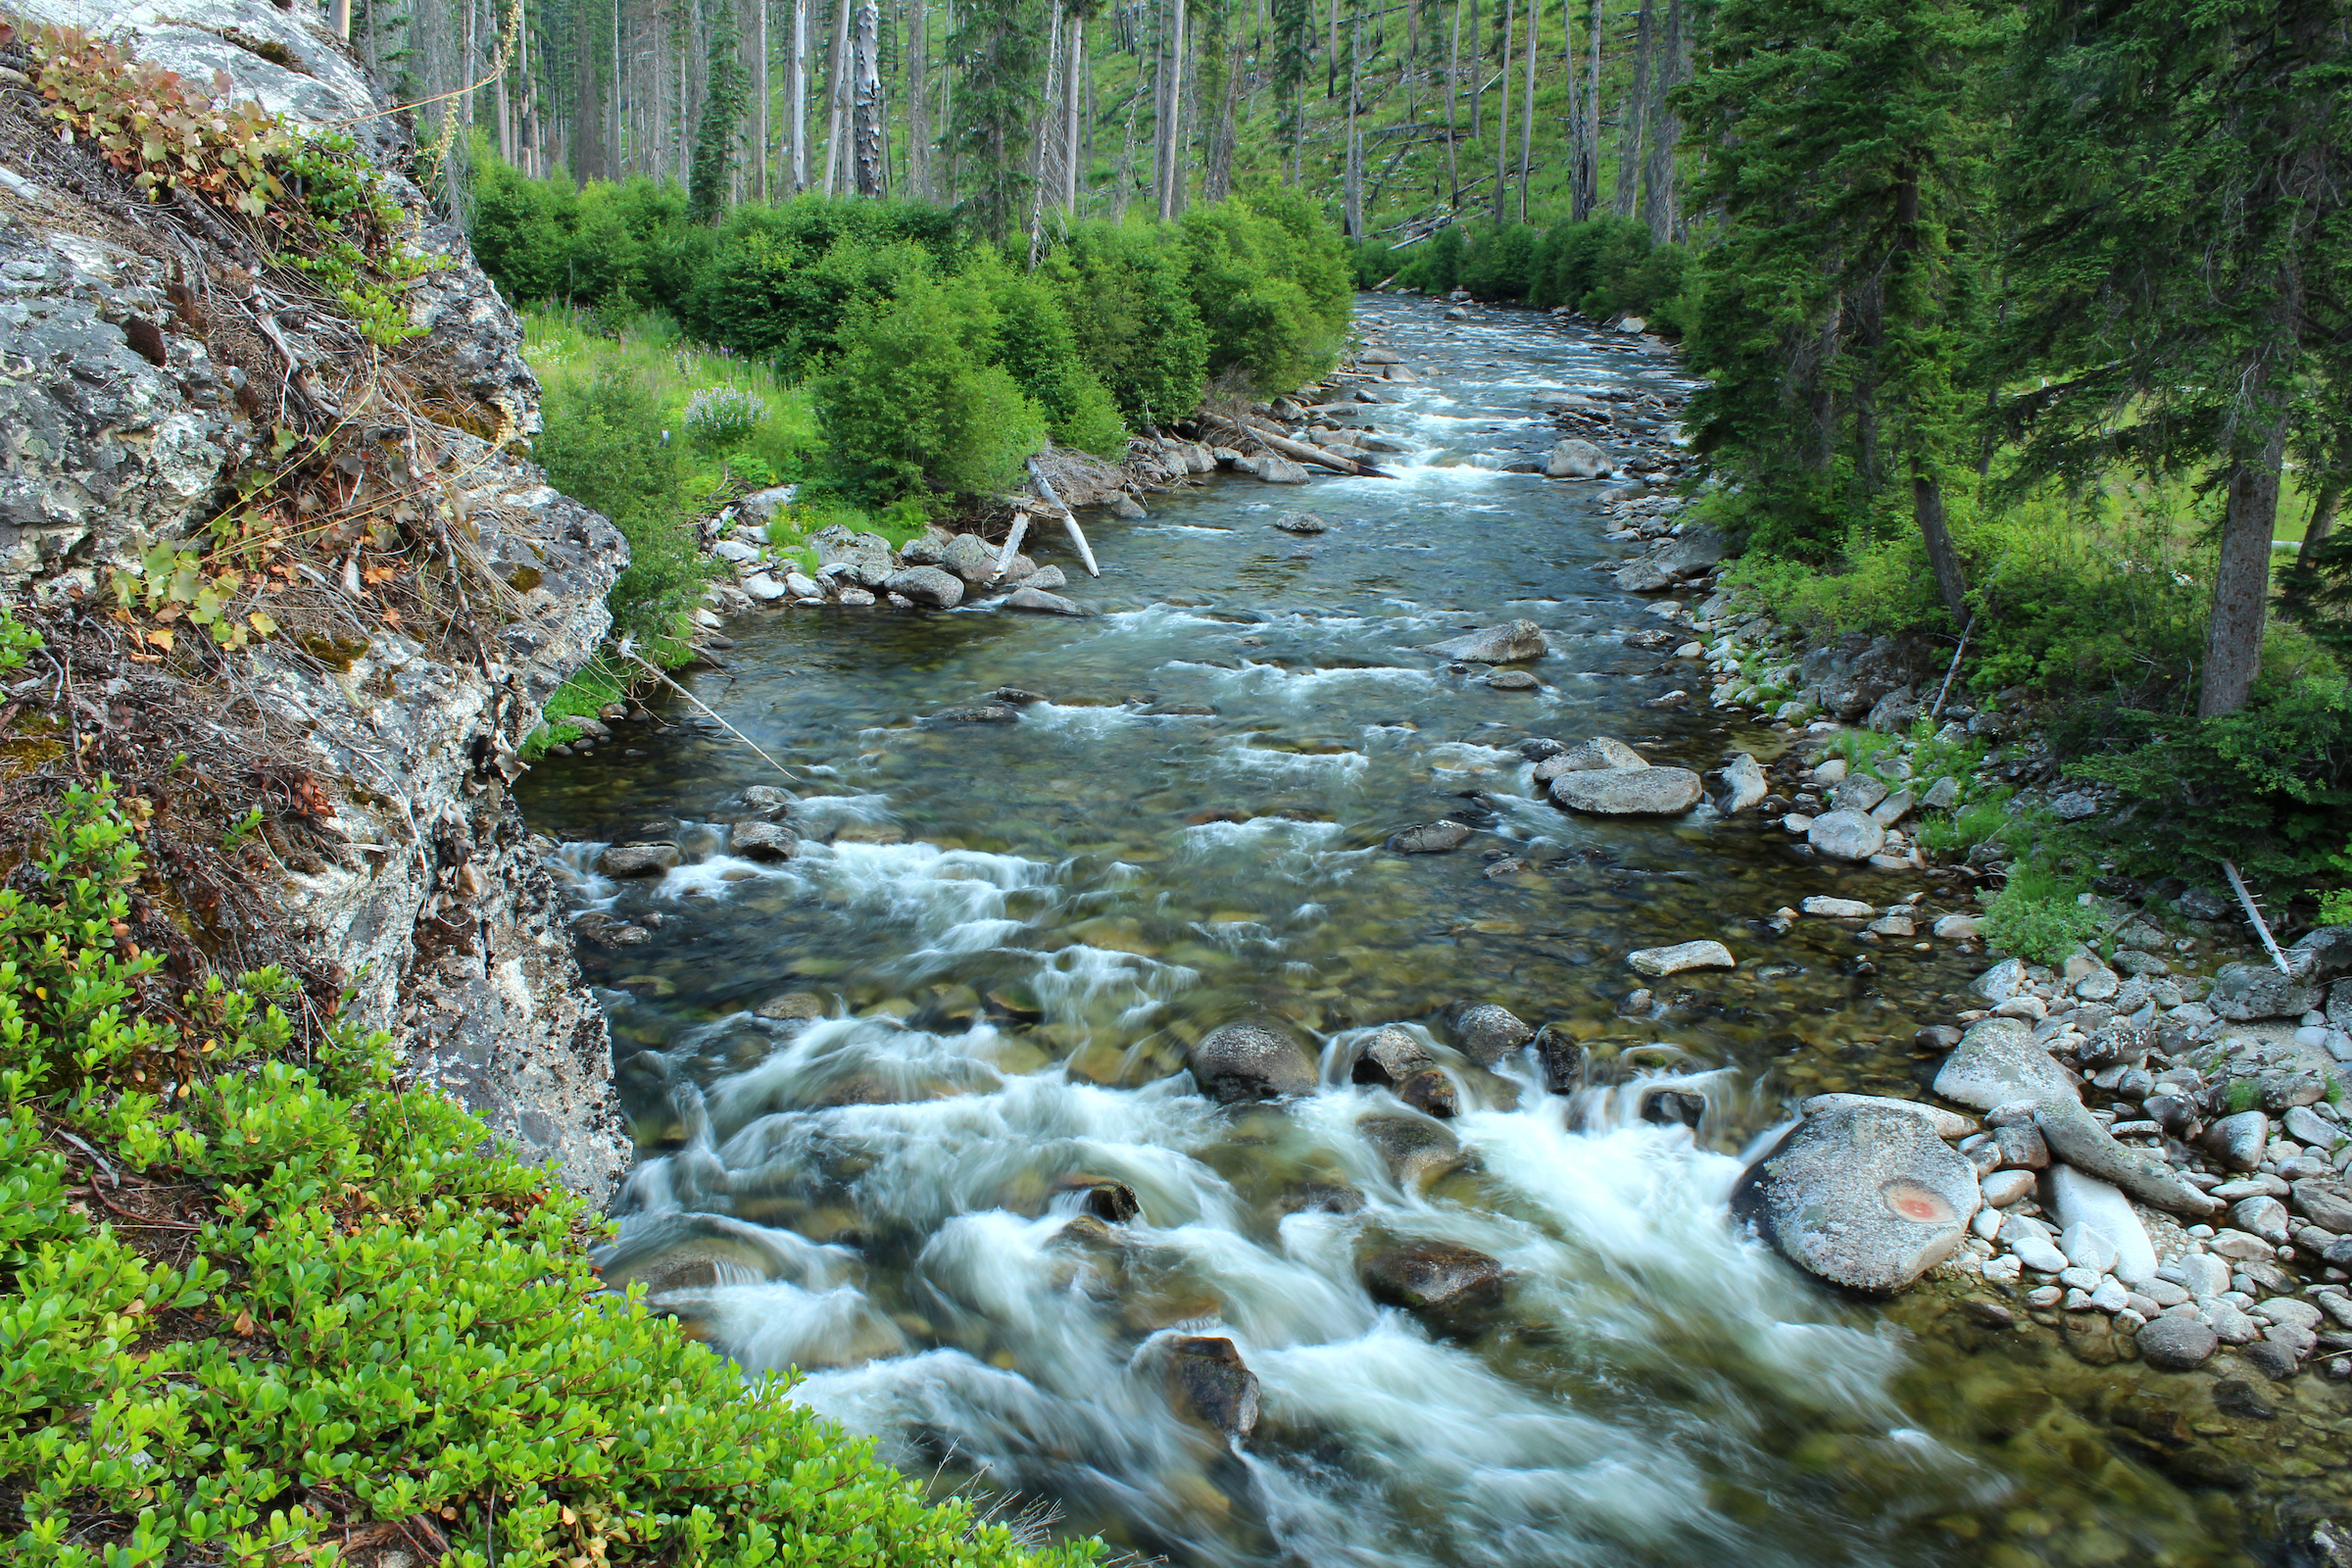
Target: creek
[(984, 967)]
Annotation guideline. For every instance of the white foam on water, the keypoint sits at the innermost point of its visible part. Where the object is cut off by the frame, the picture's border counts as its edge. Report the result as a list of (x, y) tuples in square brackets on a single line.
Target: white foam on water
[(1338, 768)]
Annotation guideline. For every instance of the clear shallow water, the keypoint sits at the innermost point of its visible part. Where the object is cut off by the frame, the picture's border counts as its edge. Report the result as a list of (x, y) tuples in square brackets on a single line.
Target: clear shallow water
[(1014, 931)]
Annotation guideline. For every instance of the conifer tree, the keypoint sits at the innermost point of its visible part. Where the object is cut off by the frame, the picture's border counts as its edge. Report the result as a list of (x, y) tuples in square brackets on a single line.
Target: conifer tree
[(723, 115), (2182, 175), (1847, 161)]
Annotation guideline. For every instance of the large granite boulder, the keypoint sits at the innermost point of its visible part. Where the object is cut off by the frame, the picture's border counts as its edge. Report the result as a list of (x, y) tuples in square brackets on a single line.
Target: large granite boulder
[(1864, 1197), (1628, 791), (1514, 644)]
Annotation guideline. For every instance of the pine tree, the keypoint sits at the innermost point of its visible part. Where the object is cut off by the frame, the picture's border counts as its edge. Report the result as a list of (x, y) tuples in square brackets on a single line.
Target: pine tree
[(1003, 50), (723, 115), (1847, 154), (2183, 180)]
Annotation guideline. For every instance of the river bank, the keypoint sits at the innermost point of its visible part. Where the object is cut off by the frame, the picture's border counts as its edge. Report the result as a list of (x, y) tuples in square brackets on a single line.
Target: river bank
[(905, 1040)]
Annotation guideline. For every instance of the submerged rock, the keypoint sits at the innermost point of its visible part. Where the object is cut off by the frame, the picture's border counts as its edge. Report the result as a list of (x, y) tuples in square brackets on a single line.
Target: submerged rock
[(1212, 1383), (1389, 1056), (1239, 1063), (1946, 1123), (1628, 791), (978, 713), (2176, 1343), (1415, 1151), (1516, 643), (1037, 602), (1430, 838), (1578, 459), (1744, 785), (1863, 1198), (1301, 522), (1441, 1278)]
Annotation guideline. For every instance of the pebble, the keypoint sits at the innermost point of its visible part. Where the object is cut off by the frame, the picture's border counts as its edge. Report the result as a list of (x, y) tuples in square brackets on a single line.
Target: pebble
[(1659, 963), (2005, 1187), (2047, 1295), (2110, 1297), (1841, 909), (2176, 1343), (2003, 1270), (2240, 1246), (2081, 1278), (1986, 1223), (2232, 1326), (2086, 1248), (2288, 1312)]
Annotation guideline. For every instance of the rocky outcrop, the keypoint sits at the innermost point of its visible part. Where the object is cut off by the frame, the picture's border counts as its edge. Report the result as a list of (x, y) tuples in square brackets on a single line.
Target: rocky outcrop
[(144, 385)]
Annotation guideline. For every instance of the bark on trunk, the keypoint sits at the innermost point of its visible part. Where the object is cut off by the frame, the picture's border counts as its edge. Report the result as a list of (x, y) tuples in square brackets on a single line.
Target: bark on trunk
[(2241, 582), (1170, 130), (1453, 70), (1927, 506), (1592, 149), (1072, 80), (796, 92), (866, 103), (1636, 116), (759, 85), (918, 101), (1527, 117), (1040, 159), (1354, 193), (1665, 129), (1503, 129), (833, 93), (1478, 78)]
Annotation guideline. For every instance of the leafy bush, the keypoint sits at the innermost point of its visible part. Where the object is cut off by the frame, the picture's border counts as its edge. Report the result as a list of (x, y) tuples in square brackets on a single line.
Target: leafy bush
[(781, 280), (913, 405), (2269, 788), (1270, 284), (2037, 917), (333, 1314), (1133, 317), (1034, 342), (604, 446), (1603, 266)]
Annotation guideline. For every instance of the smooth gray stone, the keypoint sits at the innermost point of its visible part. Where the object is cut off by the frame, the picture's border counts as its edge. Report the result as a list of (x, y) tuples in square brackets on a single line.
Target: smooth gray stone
[(1864, 1197)]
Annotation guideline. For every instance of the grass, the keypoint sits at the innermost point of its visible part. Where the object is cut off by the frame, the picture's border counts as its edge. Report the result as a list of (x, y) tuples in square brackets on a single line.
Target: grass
[(566, 348)]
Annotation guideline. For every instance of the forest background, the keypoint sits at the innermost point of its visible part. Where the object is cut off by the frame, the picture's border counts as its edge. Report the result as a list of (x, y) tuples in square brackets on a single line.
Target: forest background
[(2026, 324)]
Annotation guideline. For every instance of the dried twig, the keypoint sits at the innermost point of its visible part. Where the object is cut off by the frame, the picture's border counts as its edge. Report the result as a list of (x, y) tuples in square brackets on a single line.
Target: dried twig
[(2262, 927), (650, 667)]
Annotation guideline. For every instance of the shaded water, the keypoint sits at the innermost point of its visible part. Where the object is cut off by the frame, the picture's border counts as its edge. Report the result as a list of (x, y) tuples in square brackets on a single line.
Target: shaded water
[(1014, 931)]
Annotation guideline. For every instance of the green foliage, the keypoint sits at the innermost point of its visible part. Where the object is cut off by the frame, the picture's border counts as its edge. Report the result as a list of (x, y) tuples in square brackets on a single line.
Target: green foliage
[(779, 279), (1035, 343), (2242, 1095), (1603, 266), (2036, 916), (603, 445), (913, 405), (2268, 787), (348, 1309), (725, 91), (1124, 290), (1271, 285)]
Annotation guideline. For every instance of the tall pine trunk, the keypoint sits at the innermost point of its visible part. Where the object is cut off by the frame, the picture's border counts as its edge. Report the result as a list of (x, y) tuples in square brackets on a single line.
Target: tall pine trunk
[(1074, 79), (1658, 205), (1478, 78), (1042, 170), (1927, 508), (796, 94), (1169, 132), (918, 101), (1527, 119), (2242, 575), (1354, 193), (1453, 70), (834, 96), (1590, 156), (1217, 181), (1636, 115), (866, 103), (1503, 129)]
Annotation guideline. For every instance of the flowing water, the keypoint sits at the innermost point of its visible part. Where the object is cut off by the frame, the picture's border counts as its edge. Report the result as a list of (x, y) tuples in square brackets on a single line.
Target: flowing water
[(1010, 933)]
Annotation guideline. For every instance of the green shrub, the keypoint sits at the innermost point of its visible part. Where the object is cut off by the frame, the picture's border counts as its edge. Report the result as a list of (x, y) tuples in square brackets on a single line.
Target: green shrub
[(262, 1302), (2037, 917), (1034, 342), (780, 280), (913, 405), (1132, 316), (603, 445), (1270, 284), (1436, 264), (2268, 788)]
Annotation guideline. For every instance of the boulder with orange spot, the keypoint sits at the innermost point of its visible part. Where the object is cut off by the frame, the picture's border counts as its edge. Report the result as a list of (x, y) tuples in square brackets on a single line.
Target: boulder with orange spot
[(1863, 1197)]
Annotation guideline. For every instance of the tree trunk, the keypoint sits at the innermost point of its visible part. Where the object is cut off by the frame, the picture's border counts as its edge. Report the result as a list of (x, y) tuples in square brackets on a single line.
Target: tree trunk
[(1478, 78), (1074, 77), (2241, 580), (1354, 190), (338, 17), (1927, 506), (865, 102), (1591, 155), (795, 93), (1503, 129), (918, 101), (1170, 130), (1665, 129), (834, 96), (1527, 118), (1635, 111), (1453, 69), (1218, 183), (614, 108), (1041, 162), (588, 109)]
